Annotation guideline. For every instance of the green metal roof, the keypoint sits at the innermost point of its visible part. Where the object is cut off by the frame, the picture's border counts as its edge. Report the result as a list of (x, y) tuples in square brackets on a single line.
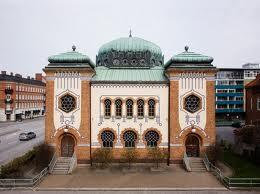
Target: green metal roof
[(104, 74), (70, 59), (190, 59), (130, 44)]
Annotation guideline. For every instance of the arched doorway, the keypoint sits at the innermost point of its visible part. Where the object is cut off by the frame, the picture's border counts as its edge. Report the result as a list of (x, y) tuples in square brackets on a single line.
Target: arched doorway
[(67, 146), (192, 144)]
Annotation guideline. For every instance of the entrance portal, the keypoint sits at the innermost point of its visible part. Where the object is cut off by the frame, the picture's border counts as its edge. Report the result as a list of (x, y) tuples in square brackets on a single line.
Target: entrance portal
[(192, 146), (67, 146)]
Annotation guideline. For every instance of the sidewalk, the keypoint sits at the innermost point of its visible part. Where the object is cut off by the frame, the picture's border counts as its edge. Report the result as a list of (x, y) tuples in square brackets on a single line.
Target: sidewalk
[(174, 177)]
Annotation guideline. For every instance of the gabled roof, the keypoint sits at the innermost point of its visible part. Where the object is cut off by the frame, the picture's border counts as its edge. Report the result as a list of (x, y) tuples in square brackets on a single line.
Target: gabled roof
[(108, 75), (254, 83)]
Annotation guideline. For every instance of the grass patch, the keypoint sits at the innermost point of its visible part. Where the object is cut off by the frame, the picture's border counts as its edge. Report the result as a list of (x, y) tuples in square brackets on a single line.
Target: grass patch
[(242, 167)]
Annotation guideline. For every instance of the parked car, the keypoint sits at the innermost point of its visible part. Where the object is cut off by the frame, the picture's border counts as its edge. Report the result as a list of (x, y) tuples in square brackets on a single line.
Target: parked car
[(27, 136)]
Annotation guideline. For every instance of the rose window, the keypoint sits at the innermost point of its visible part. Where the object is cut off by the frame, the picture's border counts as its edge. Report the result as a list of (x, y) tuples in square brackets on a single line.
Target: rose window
[(67, 103), (192, 103)]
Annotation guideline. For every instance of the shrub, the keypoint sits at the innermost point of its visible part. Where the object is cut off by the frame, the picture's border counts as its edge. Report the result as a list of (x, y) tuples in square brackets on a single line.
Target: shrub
[(157, 155), (102, 157), (129, 155), (39, 156)]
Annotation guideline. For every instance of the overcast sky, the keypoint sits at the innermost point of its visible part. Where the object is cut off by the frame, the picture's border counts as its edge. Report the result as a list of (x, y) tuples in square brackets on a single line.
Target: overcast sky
[(32, 30)]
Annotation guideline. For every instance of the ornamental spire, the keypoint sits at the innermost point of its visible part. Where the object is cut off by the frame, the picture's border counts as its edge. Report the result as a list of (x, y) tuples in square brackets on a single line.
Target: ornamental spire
[(130, 33), (186, 48)]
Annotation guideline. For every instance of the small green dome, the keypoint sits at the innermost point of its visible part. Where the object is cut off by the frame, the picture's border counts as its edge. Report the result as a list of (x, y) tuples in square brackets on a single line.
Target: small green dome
[(70, 58), (190, 59), (130, 44)]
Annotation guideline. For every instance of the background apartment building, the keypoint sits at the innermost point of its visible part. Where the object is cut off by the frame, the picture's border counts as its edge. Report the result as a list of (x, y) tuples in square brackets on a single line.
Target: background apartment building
[(230, 91), (21, 98)]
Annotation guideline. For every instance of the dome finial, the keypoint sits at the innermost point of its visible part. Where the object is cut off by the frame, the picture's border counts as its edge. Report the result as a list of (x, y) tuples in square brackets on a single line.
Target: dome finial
[(186, 48), (130, 33), (73, 47)]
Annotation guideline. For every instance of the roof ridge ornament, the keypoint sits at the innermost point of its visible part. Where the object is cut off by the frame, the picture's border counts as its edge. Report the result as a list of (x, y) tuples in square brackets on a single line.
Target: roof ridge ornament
[(73, 47), (186, 48), (130, 33)]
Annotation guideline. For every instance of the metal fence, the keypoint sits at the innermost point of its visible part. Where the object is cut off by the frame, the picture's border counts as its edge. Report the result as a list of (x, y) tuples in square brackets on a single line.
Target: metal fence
[(24, 182), (232, 182)]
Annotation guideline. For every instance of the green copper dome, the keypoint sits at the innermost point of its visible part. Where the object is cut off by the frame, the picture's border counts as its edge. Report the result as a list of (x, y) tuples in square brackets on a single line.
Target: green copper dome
[(130, 44), (190, 59), (129, 52), (69, 58)]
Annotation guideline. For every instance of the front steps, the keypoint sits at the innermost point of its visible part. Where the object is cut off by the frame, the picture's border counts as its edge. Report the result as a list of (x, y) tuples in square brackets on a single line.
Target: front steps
[(197, 164), (61, 166)]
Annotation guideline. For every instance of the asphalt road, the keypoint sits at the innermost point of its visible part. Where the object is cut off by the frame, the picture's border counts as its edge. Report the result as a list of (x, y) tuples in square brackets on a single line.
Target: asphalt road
[(130, 192), (10, 146)]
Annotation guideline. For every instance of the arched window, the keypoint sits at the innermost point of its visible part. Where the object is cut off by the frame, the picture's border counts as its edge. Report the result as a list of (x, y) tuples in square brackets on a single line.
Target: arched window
[(107, 108), (140, 108), (118, 103), (129, 108), (152, 137), (129, 138), (151, 108), (107, 138)]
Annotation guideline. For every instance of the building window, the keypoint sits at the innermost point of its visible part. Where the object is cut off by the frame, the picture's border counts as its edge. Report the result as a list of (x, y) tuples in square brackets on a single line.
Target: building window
[(118, 103), (258, 104), (140, 108), (192, 103), (130, 138), (107, 138), (67, 103), (152, 137), (107, 108), (129, 108), (151, 108)]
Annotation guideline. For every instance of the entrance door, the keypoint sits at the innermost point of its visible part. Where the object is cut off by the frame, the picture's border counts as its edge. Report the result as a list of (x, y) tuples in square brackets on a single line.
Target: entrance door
[(192, 146), (67, 146)]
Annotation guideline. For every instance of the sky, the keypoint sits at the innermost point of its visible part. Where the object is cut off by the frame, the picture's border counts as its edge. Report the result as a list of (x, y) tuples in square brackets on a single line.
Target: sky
[(32, 30)]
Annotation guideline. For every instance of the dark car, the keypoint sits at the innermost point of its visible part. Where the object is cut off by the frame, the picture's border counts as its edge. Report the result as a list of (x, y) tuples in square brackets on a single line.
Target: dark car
[(27, 136)]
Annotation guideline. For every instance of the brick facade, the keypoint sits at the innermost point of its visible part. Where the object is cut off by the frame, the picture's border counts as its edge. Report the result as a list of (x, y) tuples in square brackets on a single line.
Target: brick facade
[(21, 98)]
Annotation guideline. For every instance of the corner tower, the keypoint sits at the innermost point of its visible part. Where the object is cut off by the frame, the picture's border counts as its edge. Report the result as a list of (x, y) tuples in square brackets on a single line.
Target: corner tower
[(67, 122), (192, 104)]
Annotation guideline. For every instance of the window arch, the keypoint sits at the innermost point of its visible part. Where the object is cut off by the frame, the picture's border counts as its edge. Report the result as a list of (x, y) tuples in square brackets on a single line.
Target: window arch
[(140, 108), (152, 138), (107, 138), (130, 138), (129, 108), (118, 103), (151, 108), (107, 107)]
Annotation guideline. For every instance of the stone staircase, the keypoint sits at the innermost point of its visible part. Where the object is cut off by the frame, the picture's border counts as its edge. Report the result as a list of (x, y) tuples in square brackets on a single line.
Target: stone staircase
[(61, 166), (197, 164)]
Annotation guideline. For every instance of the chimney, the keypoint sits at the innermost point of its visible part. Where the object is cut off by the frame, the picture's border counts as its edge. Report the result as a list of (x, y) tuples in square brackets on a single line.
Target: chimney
[(28, 77), (11, 73), (38, 76), (3, 72)]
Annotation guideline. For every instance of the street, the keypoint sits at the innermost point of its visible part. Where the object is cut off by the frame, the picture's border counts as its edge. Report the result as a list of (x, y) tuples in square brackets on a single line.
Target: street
[(10, 146), (137, 191)]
